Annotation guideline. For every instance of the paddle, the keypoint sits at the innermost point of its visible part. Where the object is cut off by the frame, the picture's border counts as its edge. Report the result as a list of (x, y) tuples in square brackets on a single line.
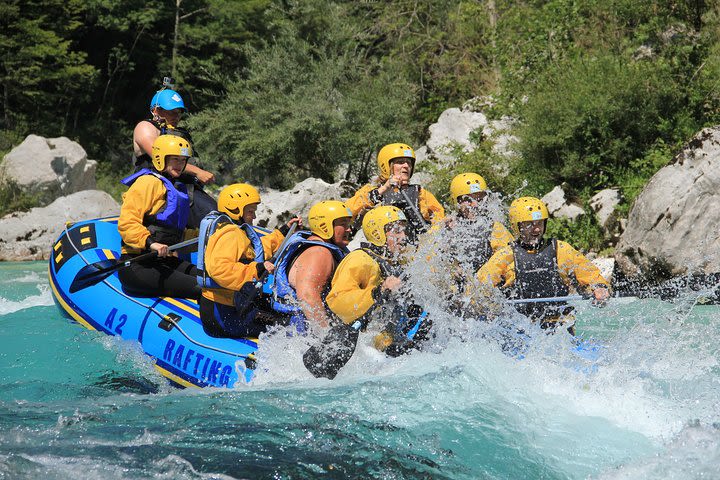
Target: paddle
[(96, 272), (568, 298), (245, 297), (420, 219)]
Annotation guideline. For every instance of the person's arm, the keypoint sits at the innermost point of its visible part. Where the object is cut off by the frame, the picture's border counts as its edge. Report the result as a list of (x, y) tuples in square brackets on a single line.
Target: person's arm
[(587, 274), (361, 201), (144, 136), (500, 268), (500, 237), (355, 287), (145, 196), (224, 248), (203, 176), (311, 272), (430, 208)]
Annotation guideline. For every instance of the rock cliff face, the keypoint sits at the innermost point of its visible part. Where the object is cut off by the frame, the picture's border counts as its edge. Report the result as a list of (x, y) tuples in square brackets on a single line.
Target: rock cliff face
[(49, 167), (674, 225), (30, 235)]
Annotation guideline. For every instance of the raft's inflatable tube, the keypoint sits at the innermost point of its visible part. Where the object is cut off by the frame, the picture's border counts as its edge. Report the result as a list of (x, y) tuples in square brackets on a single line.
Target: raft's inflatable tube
[(168, 329)]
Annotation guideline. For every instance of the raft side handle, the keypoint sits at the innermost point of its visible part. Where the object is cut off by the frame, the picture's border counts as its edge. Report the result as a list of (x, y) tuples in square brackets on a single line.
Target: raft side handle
[(169, 321)]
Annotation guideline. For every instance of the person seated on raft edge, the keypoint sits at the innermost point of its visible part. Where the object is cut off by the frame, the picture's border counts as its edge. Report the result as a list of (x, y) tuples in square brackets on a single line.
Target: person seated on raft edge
[(533, 267), (370, 277), (230, 254), (396, 163), (166, 110), (154, 215), (305, 267)]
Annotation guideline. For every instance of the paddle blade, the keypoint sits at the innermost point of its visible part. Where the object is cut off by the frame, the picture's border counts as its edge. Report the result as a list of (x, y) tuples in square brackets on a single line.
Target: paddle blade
[(94, 273), (332, 353)]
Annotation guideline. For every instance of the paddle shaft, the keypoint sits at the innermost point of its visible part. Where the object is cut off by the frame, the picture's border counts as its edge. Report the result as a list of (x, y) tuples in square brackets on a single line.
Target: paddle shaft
[(414, 207), (146, 256), (568, 298)]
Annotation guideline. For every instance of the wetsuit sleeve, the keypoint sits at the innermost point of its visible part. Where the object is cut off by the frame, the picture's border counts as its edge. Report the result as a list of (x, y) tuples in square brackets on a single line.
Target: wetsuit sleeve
[(271, 242), (571, 262), (500, 268), (500, 237), (145, 196), (360, 201), (430, 208), (355, 279), (224, 249)]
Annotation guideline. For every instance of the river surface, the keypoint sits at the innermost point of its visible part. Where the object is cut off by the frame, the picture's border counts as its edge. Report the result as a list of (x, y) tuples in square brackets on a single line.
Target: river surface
[(79, 404)]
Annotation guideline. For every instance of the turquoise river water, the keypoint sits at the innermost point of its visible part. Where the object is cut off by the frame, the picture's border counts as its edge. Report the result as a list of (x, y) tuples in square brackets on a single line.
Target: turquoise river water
[(78, 404)]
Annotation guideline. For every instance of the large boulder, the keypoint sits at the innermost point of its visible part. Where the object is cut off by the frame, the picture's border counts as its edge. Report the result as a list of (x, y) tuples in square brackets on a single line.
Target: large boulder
[(673, 226), (48, 167), (277, 207), (30, 235), (463, 128)]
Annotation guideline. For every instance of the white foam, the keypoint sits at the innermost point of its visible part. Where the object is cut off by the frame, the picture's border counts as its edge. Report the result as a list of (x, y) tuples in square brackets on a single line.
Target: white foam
[(43, 299)]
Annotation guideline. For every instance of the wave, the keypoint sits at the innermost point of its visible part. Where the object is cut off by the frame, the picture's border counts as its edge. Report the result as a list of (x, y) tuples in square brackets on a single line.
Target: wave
[(43, 299)]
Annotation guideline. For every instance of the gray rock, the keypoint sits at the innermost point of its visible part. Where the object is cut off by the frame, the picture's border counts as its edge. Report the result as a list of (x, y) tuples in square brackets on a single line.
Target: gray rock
[(30, 235), (559, 207), (606, 266), (603, 205), (277, 207), (452, 130), (49, 167), (673, 226)]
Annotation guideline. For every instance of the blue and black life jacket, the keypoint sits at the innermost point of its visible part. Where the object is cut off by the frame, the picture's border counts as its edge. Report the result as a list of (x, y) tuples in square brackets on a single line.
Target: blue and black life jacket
[(168, 224), (209, 225), (537, 276), (284, 299)]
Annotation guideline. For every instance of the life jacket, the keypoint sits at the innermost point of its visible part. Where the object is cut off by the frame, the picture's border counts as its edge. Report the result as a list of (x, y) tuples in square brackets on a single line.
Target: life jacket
[(471, 246), (397, 199), (537, 276), (208, 226), (284, 298), (167, 225), (404, 317)]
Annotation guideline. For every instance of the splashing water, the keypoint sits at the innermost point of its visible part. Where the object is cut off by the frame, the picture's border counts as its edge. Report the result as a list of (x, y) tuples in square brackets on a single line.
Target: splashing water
[(78, 404)]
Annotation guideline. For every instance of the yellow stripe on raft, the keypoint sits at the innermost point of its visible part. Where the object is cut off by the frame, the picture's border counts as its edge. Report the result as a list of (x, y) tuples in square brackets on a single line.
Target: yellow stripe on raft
[(84, 229), (175, 378), (182, 306), (109, 254), (66, 307)]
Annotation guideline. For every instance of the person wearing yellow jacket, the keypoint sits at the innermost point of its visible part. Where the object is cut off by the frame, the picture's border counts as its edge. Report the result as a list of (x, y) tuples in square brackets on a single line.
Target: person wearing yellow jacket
[(366, 283), (534, 267), (396, 163), (231, 254), (153, 216)]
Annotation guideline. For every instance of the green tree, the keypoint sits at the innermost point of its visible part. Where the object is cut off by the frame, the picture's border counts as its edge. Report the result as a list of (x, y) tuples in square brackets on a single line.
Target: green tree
[(43, 75)]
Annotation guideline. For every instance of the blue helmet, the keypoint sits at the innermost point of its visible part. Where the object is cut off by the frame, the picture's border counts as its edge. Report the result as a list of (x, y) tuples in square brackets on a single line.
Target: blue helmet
[(167, 100)]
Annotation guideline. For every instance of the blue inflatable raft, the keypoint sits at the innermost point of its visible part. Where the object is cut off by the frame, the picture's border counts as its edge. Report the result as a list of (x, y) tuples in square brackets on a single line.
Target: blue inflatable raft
[(169, 330)]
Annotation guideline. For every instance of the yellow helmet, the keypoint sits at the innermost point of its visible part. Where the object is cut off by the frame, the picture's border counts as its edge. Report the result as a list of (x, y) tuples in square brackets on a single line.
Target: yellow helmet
[(526, 209), (465, 184), (165, 145), (394, 150), (234, 198), (323, 214), (377, 219)]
